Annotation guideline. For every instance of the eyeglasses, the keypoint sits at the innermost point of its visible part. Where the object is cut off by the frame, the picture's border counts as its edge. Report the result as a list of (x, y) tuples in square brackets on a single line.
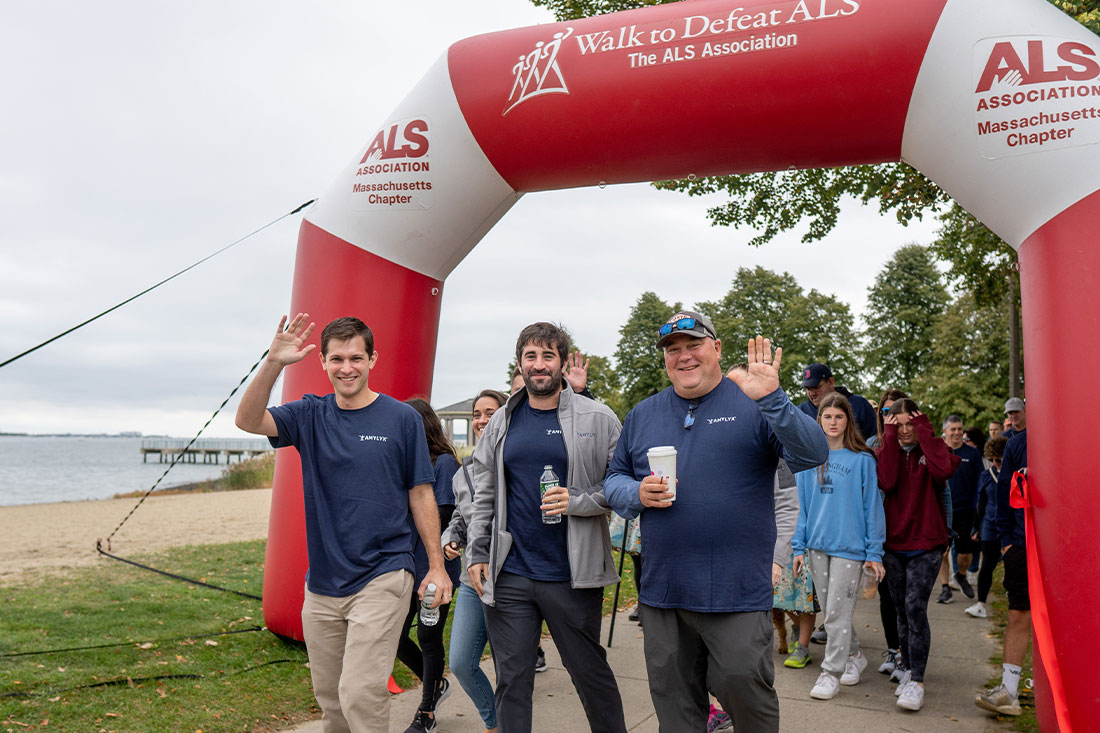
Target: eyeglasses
[(684, 324), (689, 419)]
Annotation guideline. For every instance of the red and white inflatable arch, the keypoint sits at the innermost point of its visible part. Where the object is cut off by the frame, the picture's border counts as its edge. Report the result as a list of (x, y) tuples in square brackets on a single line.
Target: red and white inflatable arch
[(998, 101)]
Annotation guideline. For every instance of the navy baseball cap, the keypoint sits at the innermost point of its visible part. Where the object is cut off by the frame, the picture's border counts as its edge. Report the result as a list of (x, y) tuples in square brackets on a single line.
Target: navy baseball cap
[(814, 373)]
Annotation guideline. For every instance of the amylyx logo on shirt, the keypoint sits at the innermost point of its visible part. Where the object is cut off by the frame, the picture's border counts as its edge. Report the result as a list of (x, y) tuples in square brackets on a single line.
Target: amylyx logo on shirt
[(550, 431), (378, 438), (712, 420), (586, 435)]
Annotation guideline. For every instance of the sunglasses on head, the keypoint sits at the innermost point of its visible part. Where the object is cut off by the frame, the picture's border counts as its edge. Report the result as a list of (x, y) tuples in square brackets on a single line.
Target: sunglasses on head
[(683, 324)]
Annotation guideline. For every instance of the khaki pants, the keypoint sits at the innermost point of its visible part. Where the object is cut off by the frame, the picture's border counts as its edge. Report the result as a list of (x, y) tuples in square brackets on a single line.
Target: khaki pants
[(351, 643)]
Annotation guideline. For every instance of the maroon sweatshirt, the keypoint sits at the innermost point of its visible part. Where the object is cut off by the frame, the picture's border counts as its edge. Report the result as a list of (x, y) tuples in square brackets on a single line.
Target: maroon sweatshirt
[(913, 483)]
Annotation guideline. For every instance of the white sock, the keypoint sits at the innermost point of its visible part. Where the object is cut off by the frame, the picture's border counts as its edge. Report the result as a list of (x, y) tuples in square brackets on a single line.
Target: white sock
[(1011, 678)]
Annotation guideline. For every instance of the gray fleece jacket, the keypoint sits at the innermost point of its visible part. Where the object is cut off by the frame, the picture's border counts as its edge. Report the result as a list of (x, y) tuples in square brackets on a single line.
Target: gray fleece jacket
[(590, 431)]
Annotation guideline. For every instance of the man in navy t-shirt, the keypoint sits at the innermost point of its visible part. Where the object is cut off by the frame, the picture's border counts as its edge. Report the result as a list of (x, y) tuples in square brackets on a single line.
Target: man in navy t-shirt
[(365, 468), (526, 569), (818, 381), (706, 593), (963, 486)]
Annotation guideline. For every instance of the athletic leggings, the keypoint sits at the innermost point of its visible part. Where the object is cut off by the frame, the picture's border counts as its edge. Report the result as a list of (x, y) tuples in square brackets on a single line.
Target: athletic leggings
[(426, 660), (911, 583), (991, 555)]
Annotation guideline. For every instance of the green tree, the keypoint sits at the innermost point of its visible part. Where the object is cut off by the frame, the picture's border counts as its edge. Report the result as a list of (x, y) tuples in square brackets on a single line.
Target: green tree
[(811, 327), (903, 305), (967, 369), (603, 382), (641, 370)]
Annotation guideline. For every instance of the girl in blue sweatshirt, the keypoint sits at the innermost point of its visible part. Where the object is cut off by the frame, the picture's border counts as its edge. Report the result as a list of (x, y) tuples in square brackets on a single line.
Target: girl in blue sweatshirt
[(840, 531)]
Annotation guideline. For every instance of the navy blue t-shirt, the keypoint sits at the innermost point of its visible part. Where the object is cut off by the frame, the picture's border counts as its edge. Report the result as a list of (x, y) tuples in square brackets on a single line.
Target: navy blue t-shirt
[(357, 469), (445, 467), (534, 440), (711, 551), (964, 482)]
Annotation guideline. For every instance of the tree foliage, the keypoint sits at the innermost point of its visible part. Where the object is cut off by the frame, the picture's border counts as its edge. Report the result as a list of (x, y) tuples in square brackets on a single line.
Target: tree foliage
[(811, 327), (640, 367), (967, 369), (903, 305)]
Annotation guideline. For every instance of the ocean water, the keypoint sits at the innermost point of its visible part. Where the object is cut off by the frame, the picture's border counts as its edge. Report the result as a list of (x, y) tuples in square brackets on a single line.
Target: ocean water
[(36, 470)]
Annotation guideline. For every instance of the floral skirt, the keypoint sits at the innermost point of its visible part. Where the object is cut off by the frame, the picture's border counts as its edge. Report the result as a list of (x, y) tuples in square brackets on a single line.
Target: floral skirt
[(795, 592)]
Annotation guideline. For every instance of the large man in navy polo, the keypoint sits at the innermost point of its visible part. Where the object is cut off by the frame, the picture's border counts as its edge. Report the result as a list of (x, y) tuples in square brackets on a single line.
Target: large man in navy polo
[(706, 581)]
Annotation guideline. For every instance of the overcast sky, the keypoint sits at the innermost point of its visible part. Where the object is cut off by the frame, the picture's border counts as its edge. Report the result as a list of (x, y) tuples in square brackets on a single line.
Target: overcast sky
[(139, 137)]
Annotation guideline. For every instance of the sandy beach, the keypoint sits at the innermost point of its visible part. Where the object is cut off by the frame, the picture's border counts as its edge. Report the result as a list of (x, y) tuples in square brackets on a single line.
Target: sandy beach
[(45, 537)]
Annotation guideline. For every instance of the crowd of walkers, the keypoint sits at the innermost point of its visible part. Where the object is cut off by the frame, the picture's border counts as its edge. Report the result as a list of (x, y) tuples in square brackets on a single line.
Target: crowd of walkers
[(771, 512)]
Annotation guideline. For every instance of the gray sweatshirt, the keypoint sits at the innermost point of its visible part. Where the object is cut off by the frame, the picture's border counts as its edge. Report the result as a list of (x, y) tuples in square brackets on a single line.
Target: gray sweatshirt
[(591, 431)]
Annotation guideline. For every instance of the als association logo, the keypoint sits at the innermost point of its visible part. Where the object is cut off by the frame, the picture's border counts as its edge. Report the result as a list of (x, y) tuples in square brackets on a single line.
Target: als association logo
[(413, 142), (1021, 62), (538, 73)]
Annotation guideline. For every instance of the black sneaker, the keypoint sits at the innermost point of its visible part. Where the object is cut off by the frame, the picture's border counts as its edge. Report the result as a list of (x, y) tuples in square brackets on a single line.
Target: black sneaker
[(819, 636), (540, 660), (442, 692), (964, 585), (422, 723), (945, 595)]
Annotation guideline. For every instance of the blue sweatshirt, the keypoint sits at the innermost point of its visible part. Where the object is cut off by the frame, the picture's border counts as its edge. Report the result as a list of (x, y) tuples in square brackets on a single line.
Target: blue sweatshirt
[(964, 482), (711, 550), (843, 516)]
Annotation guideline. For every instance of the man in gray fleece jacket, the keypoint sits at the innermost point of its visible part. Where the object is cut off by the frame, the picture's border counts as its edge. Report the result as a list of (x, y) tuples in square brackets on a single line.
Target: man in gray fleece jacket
[(526, 568)]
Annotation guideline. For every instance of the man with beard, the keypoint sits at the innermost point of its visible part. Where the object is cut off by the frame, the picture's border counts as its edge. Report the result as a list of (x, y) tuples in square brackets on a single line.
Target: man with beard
[(526, 568)]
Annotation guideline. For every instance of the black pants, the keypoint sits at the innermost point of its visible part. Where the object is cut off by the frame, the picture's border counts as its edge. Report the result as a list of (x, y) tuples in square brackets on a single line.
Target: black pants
[(426, 660), (888, 614), (688, 653), (991, 555), (911, 583), (574, 616)]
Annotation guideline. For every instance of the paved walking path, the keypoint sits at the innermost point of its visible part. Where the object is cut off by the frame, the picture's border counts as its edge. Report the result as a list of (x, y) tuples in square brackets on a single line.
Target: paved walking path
[(957, 669)]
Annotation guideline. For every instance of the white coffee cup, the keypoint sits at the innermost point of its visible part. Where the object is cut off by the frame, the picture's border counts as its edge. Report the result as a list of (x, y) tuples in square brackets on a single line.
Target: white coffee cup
[(662, 463)]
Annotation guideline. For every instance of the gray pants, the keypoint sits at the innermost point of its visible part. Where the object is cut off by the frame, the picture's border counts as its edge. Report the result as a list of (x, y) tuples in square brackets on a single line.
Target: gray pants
[(688, 653), (836, 583), (573, 615)]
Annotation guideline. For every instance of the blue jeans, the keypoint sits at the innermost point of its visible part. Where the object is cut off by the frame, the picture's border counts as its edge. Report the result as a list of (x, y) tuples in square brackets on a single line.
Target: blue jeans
[(468, 639)]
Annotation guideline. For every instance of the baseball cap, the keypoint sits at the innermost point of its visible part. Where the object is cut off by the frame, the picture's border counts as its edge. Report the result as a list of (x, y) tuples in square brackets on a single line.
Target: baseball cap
[(689, 323), (1013, 404), (814, 373)]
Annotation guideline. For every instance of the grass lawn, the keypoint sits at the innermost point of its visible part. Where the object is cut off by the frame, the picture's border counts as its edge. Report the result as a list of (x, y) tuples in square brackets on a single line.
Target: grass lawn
[(113, 647)]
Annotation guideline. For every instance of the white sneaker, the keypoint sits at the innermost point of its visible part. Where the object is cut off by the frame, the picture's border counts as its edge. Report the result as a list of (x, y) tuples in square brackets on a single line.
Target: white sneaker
[(953, 584), (912, 697), (899, 671), (826, 687), (977, 610), (903, 680), (893, 657), (853, 669)]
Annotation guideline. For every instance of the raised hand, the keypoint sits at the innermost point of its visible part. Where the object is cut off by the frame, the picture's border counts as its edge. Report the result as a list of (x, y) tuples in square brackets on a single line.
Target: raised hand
[(289, 346), (761, 378), (576, 371)]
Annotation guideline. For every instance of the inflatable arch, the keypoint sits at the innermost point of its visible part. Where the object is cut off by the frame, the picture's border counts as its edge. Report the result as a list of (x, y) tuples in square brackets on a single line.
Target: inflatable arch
[(998, 101)]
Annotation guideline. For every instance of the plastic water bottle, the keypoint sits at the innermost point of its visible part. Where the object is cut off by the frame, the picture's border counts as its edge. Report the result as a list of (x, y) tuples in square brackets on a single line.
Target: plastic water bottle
[(548, 480), (429, 616)]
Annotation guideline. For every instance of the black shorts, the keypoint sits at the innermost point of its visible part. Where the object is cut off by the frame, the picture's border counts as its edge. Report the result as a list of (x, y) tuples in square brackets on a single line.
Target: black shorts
[(962, 522), (1016, 578)]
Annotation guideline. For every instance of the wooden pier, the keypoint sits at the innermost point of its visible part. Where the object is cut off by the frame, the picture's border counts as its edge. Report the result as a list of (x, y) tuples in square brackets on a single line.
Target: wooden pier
[(204, 450)]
